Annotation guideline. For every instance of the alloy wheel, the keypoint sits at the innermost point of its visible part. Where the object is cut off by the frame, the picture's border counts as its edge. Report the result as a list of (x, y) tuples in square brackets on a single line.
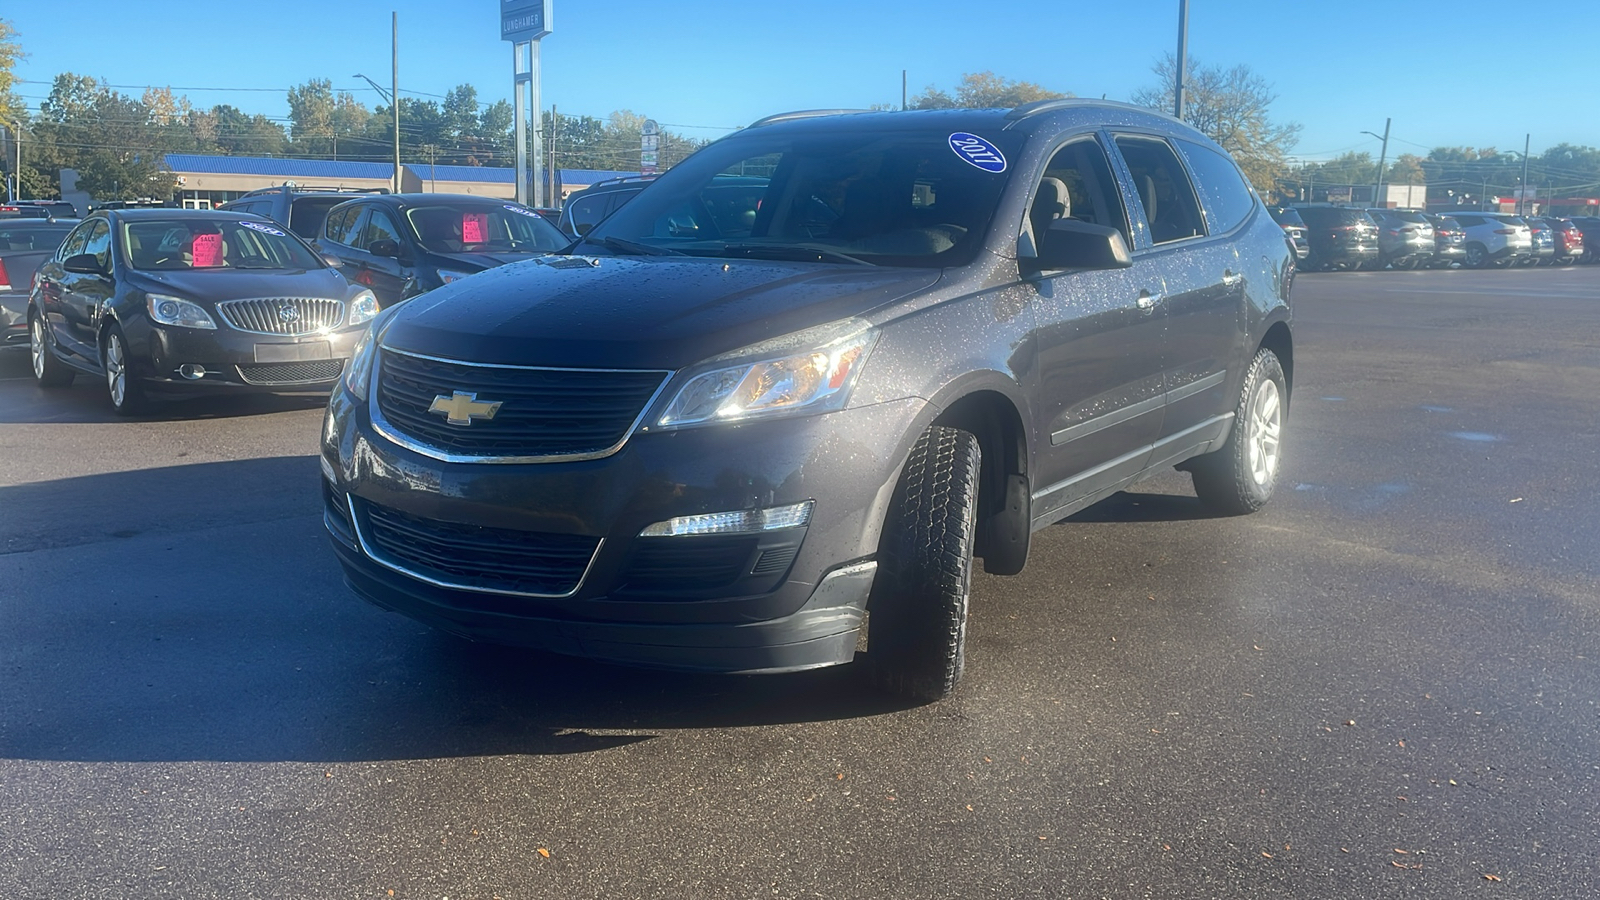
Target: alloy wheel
[(36, 348), (1266, 424), (116, 369)]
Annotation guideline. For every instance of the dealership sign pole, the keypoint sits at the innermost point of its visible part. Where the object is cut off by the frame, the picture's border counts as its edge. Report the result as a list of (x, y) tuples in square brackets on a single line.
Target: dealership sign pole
[(524, 23)]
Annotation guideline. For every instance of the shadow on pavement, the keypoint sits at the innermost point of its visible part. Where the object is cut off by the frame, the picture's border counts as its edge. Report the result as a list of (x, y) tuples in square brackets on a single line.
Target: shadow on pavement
[(1134, 506), (23, 403), (197, 613)]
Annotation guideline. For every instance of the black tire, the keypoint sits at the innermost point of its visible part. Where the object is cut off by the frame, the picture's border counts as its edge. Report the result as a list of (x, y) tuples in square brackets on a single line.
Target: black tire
[(48, 372), (1477, 257), (917, 614), (127, 397), (1239, 477)]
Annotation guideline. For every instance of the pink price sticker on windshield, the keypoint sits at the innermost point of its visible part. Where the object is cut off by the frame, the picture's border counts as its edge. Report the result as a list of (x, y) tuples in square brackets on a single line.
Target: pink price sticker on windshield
[(207, 251), (474, 228)]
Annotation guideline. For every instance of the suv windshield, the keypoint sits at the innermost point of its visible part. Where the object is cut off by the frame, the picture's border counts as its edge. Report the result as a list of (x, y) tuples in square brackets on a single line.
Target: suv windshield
[(890, 198), (483, 228), (176, 244)]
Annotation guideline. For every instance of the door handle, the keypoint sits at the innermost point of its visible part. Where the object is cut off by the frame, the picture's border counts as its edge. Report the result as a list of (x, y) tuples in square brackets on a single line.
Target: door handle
[(1148, 300), (1229, 279)]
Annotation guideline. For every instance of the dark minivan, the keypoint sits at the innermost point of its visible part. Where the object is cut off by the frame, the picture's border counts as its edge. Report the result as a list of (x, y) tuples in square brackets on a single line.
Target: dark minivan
[(722, 438), (1340, 238), (402, 245)]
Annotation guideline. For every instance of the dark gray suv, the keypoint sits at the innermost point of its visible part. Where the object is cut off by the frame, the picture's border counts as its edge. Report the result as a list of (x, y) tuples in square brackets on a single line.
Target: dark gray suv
[(732, 426)]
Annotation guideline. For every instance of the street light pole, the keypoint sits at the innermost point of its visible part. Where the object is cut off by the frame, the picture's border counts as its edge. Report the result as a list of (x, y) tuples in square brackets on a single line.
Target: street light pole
[(395, 91), (1183, 59), (1527, 139), (1383, 157)]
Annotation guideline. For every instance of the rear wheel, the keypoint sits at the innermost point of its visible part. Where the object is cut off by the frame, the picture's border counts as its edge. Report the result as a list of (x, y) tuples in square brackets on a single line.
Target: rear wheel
[(47, 370), (1477, 256), (127, 394), (1240, 477), (917, 615)]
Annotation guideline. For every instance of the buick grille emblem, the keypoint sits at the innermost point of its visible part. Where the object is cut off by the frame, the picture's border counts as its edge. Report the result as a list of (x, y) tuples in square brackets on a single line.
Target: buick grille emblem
[(461, 407), (288, 313)]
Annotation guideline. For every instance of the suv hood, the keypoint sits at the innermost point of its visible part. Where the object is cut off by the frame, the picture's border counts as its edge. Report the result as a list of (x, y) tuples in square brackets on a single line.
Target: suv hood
[(479, 261), (239, 284), (637, 313)]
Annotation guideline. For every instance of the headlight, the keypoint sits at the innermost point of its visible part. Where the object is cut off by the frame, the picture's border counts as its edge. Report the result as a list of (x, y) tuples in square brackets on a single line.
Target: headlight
[(809, 371), (174, 311), (359, 370), (448, 275), (363, 309)]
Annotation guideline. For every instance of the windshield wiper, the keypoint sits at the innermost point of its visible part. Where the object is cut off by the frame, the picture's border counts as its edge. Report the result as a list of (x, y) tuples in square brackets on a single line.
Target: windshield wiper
[(799, 252), (633, 248)]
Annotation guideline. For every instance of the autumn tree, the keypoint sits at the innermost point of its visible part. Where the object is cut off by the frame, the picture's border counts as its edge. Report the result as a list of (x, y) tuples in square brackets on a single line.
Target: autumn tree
[(984, 90), (1233, 107)]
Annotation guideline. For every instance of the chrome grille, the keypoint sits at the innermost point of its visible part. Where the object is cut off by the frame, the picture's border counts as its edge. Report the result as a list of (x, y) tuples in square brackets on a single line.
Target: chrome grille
[(283, 316)]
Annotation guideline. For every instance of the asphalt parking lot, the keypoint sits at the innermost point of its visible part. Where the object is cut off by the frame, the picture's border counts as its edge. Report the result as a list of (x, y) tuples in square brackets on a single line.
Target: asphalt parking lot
[(1384, 685)]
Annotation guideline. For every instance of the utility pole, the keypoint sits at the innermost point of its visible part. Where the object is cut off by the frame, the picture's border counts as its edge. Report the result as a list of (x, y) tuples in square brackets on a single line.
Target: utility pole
[(1183, 58), (550, 170), (394, 93), (902, 90), (1527, 139), (16, 137)]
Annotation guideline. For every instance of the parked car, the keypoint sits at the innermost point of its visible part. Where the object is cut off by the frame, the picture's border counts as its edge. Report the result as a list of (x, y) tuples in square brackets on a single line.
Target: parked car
[(706, 441), (24, 244), (1589, 235), (1340, 238), (300, 209), (1566, 240), (1544, 243), (164, 300), (38, 209), (402, 245), (1449, 241), (1294, 228), (1494, 239), (588, 207), (1405, 238)]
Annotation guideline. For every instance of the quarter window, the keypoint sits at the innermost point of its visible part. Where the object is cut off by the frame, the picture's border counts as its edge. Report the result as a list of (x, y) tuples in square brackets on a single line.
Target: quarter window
[(1165, 193), (1225, 194)]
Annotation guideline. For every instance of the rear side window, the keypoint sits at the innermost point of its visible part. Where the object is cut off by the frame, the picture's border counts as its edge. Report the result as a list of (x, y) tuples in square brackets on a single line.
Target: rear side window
[(1470, 221), (1223, 191), (307, 214), (1165, 193)]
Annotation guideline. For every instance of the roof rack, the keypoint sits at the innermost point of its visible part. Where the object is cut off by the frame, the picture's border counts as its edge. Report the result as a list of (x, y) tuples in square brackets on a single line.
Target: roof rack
[(806, 114), (1044, 106)]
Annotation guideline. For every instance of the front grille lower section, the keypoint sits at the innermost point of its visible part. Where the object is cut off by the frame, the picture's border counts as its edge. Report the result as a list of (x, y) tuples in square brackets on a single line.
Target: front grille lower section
[(477, 557), (543, 413), (310, 372), (283, 316)]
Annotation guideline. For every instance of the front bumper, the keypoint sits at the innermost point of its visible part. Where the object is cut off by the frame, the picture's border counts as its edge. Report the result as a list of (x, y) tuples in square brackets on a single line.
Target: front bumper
[(238, 361), (803, 616)]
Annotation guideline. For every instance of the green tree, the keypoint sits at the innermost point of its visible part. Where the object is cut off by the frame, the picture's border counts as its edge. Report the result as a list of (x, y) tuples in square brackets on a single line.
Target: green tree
[(984, 90), (320, 118), (1232, 107), (11, 106), (1407, 169), (111, 139), (240, 134)]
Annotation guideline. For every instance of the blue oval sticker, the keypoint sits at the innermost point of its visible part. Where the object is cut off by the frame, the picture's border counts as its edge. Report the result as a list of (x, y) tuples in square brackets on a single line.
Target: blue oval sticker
[(978, 152)]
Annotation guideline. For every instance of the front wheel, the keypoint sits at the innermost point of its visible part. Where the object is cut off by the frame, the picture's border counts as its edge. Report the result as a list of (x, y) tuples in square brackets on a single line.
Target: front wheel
[(127, 395), (917, 614), (1240, 477), (48, 371)]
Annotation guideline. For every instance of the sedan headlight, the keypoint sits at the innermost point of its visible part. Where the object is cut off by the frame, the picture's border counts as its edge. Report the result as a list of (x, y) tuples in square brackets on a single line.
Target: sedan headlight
[(448, 275), (359, 370), (806, 372), (363, 309), (176, 311)]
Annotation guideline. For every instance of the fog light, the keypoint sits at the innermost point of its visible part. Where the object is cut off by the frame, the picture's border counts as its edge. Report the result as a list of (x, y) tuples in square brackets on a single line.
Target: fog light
[(744, 521), (192, 371)]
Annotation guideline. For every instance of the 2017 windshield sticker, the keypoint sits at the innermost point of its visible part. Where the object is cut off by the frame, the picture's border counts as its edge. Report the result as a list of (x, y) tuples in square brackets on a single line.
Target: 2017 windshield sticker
[(263, 228), (520, 211), (978, 152)]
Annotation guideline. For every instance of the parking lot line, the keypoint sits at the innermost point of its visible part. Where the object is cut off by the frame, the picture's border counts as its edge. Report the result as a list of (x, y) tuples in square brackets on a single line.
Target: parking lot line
[(1506, 293)]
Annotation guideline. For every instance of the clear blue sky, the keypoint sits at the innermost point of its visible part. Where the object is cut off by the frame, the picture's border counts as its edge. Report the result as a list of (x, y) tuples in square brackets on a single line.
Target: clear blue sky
[(704, 66)]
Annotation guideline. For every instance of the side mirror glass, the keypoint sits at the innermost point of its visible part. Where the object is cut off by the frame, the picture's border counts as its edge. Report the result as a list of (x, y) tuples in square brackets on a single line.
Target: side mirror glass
[(1074, 244), (387, 248), (83, 264)]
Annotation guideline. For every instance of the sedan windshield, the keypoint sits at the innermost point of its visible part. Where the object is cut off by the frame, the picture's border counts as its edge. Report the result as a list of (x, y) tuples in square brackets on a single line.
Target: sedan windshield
[(483, 228), (872, 197), (211, 243)]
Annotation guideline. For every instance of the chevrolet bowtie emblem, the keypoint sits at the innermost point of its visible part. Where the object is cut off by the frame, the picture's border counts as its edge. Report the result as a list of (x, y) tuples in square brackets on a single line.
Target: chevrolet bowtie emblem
[(461, 407)]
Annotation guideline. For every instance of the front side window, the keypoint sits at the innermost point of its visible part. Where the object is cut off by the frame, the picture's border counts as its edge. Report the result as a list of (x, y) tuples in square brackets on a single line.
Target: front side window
[(587, 211), (483, 228), (1164, 190), (1224, 193), (378, 227), (892, 198), (1078, 184), (73, 245), (99, 245), (213, 244)]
